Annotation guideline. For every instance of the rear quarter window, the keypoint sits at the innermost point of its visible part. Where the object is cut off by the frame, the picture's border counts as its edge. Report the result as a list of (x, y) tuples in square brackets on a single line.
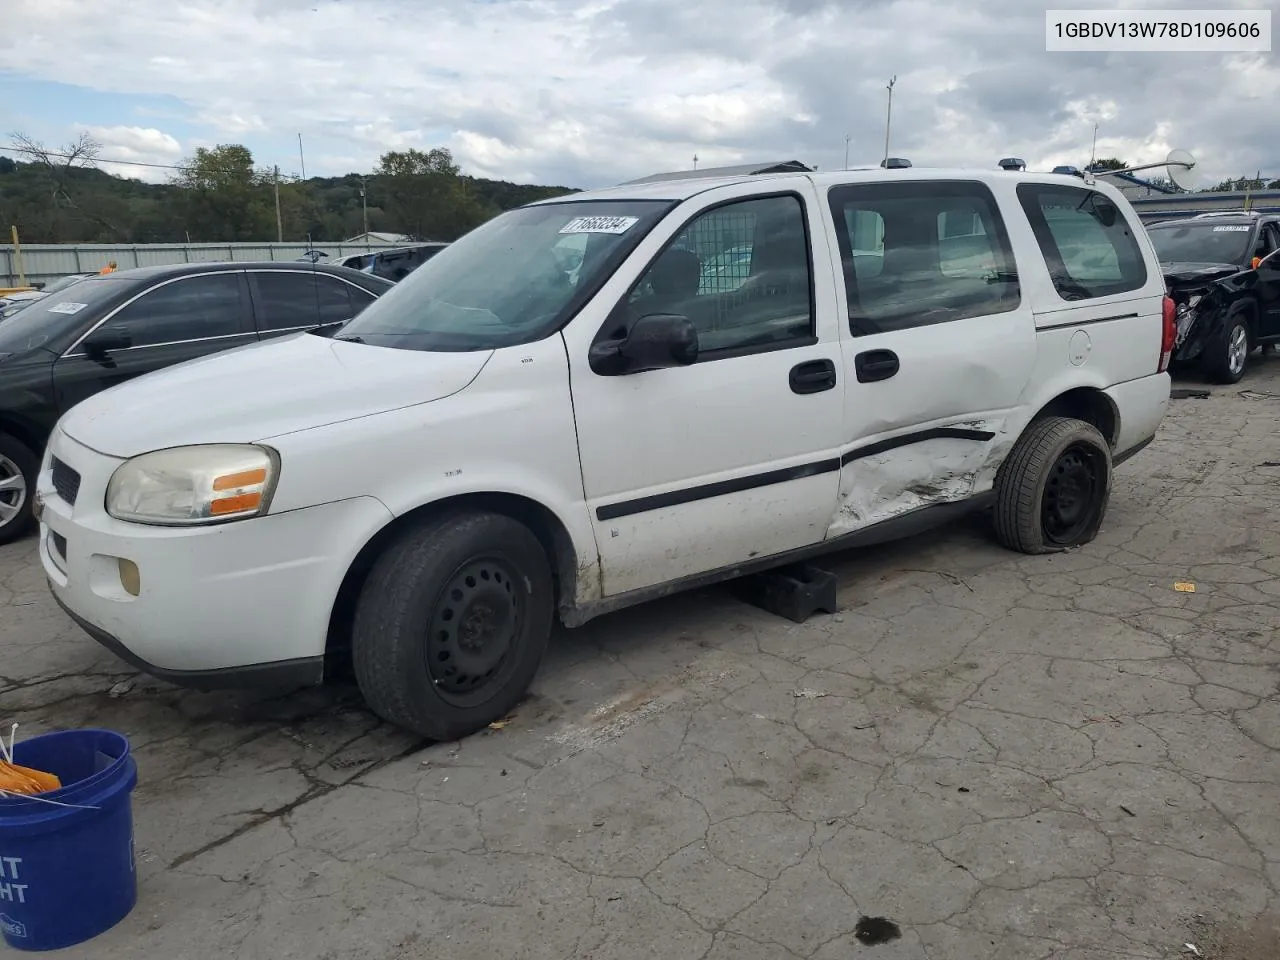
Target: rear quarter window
[(1086, 240)]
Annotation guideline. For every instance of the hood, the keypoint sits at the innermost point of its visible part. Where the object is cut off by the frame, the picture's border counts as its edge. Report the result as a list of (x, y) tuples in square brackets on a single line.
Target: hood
[(1183, 272), (263, 390)]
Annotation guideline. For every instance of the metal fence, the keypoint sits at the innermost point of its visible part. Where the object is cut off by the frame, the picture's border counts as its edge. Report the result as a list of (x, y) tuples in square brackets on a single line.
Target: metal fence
[(43, 263)]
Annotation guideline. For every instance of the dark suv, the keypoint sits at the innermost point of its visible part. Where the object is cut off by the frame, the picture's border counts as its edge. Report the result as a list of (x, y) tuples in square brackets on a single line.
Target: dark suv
[(1223, 272), (108, 329)]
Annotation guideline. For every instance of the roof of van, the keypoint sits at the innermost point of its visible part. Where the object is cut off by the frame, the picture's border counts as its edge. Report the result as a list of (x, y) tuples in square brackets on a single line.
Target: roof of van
[(661, 188)]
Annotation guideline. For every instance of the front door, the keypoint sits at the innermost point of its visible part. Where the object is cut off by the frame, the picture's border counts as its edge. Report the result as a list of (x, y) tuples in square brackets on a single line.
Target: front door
[(734, 457), (938, 347), (177, 320)]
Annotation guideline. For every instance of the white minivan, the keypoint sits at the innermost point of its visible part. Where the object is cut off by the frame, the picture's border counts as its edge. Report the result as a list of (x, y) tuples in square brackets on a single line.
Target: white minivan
[(501, 441)]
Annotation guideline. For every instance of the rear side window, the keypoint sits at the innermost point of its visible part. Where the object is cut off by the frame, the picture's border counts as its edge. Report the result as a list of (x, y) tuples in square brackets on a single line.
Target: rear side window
[(1085, 239), (294, 300), (917, 254)]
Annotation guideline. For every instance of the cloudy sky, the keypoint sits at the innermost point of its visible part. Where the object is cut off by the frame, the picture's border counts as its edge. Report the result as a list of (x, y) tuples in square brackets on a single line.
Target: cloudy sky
[(591, 92)]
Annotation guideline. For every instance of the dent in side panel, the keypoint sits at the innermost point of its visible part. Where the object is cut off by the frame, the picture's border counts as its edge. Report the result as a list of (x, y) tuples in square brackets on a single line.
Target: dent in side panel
[(883, 486)]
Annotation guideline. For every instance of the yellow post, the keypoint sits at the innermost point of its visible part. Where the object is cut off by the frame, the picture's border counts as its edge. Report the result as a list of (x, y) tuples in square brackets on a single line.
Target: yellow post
[(17, 257)]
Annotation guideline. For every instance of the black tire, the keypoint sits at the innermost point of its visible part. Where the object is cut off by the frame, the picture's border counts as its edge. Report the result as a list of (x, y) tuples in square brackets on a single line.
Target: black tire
[(1222, 362), (1052, 491), (482, 572), (16, 460)]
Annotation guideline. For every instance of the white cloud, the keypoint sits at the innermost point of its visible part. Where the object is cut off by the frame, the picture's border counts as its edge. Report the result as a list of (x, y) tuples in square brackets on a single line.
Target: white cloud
[(584, 92), (138, 147)]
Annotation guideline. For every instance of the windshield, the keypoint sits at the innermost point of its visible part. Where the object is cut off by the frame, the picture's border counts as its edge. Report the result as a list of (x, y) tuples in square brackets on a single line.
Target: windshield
[(62, 284), (1202, 242), (511, 280), (49, 318)]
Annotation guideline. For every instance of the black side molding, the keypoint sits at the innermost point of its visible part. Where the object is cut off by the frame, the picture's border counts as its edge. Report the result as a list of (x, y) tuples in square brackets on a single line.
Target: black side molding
[(626, 508), (1086, 323)]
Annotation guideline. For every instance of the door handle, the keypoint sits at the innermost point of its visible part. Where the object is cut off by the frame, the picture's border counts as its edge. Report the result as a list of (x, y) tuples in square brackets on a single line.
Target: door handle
[(813, 376), (875, 365)]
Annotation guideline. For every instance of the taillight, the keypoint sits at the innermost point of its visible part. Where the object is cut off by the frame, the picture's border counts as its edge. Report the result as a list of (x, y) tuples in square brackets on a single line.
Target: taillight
[(1169, 336)]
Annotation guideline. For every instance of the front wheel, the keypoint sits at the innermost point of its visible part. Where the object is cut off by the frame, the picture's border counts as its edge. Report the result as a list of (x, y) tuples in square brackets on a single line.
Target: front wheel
[(452, 624), (1052, 491), (1226, 354), (18, 468)]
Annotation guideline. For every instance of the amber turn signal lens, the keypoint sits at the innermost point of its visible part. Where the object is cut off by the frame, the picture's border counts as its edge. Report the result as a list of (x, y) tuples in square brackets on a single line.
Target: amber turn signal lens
[(225, 505), (246, 478)]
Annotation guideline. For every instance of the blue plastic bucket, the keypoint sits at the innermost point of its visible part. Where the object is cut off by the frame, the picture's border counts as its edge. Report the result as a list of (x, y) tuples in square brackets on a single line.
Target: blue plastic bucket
[(67, 872)]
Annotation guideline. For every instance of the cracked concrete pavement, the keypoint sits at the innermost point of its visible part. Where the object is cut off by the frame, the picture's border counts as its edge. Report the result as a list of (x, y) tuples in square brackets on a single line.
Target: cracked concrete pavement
[(1011, 758)]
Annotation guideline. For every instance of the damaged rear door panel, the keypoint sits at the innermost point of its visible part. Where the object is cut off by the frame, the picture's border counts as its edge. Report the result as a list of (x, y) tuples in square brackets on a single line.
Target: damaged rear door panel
[(938, 346)]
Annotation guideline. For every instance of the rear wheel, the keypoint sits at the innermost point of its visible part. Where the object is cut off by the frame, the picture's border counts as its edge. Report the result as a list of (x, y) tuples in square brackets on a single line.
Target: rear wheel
[(1052, 491), (18, 468), (452, 624), (1226, 355)]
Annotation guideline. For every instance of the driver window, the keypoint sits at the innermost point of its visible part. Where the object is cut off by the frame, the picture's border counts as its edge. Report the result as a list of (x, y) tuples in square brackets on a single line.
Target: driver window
[(740, 272), (1266, 242)]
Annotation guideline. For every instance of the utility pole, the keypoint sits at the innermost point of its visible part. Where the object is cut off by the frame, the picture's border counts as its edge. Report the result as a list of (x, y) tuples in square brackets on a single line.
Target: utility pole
[(888, 117), (279, 222), (364, 204), (301, 158), (695, 161), (846, 150)]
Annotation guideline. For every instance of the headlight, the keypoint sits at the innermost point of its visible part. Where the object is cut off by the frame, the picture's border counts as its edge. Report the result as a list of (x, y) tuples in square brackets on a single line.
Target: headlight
[(185, 486)]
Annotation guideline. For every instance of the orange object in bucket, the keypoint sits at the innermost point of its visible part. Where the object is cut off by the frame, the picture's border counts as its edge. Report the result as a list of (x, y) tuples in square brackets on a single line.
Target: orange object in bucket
[(26, 781)]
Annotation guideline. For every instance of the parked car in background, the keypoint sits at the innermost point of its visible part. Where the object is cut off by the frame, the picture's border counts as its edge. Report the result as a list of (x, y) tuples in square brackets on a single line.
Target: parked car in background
[(1223, 272), (516, 433), (105, 330), (392, 264), (16, 301)]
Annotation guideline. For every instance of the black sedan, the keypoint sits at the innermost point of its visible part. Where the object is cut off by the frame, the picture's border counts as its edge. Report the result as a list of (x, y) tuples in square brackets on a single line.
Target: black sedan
[(107, 329)]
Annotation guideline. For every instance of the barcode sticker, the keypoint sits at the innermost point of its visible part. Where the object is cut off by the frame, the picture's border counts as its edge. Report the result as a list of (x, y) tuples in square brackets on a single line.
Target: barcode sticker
[(600, 225)]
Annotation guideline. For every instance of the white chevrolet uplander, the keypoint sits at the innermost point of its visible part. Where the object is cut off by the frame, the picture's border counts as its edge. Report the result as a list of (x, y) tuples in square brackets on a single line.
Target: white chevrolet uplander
[(603, 398)]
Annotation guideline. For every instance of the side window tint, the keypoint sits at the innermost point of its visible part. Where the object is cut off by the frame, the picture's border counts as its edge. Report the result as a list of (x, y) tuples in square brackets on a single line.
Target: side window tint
[(193, 308), (360, 298), (285, 300), (917, 254), (1085, 239), (333, 302), (741, 273)]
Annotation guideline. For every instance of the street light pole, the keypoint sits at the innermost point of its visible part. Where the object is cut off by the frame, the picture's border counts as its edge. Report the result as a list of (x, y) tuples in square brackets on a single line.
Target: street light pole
[(888, 117), (364, 205), (846, 151)]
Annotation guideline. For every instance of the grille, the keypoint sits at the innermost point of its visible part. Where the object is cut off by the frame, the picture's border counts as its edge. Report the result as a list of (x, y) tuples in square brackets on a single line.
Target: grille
[(66, 481)]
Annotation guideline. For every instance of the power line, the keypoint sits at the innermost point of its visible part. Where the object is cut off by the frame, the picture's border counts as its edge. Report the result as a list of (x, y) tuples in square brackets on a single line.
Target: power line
[(28, 151)]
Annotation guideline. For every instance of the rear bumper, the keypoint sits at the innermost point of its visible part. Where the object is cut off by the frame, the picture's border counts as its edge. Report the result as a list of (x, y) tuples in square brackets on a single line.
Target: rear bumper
[(1142, 405)]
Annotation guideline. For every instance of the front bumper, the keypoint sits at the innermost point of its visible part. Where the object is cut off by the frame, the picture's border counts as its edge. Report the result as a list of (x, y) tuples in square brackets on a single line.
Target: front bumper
[(243, 603)]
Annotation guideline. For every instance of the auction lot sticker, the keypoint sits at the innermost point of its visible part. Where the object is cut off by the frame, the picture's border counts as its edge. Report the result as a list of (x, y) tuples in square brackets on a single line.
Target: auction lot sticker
[(600, 225)]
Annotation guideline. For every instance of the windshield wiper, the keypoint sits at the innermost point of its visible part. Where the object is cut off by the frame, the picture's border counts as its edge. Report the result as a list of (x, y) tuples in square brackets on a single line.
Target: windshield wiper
[(351, 339)]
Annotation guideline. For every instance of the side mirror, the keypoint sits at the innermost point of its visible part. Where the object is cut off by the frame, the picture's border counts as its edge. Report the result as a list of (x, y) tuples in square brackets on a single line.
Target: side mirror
[(655, 342), (106, 339)]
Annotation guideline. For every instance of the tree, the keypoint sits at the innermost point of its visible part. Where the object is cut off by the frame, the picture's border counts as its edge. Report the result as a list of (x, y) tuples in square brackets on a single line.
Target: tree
[(1236, 185), (1109, 163), (227, 199), (60, 166), (428, 198)]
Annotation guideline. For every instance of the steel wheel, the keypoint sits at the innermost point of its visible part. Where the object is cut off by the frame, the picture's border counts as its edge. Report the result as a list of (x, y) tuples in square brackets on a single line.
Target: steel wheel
[(1237, 349), (474, 627), (1072, 494), (13, 490)]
